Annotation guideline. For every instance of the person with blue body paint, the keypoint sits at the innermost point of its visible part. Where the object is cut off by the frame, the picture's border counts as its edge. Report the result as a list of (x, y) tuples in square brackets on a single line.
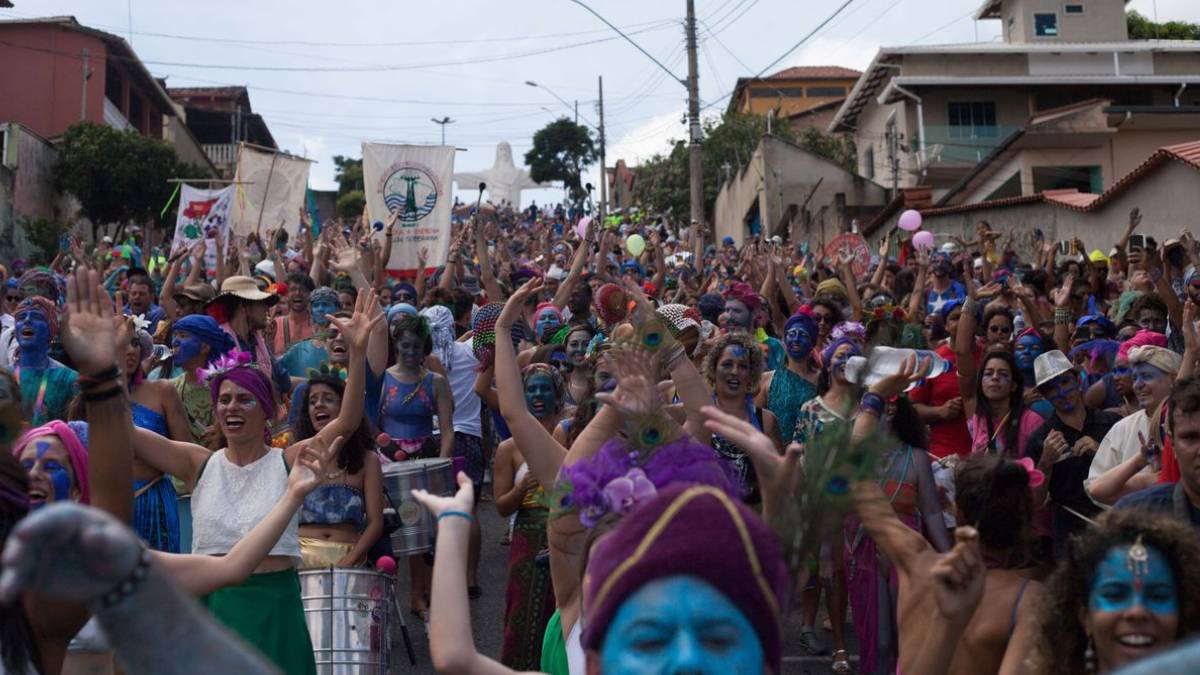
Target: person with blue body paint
[(309, 354), (46, 385), (1128, 588)]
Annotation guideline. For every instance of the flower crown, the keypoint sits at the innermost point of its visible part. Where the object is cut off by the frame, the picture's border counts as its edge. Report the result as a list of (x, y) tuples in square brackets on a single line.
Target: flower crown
[(888, 311), (851, 330), (224, 364)]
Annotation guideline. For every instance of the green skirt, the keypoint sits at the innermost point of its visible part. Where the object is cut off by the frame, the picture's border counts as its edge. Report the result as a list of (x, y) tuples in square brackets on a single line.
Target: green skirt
[(266, 611), (554, 647)]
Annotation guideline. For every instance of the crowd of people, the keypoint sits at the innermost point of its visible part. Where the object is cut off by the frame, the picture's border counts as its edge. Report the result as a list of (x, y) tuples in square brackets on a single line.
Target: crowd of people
[(982, 456)]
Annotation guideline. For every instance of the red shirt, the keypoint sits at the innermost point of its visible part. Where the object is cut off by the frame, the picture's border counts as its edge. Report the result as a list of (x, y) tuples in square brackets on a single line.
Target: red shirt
[(951, 437)]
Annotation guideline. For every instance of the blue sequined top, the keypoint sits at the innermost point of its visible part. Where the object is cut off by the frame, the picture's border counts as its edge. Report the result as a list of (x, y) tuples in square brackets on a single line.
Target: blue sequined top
[(332, 504), (148, 419)]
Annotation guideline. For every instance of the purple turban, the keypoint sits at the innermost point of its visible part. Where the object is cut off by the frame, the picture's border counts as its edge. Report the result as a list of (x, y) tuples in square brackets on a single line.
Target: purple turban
[(738, 555)]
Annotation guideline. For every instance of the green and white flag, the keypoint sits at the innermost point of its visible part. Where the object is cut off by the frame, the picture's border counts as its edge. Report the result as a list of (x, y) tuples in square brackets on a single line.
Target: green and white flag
[(413, 181)]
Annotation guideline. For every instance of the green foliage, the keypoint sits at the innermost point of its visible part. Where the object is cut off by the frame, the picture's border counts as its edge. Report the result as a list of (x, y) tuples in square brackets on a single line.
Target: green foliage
[(44, 234), (350, 205), (1142, 28), (349, 176), (561, 151), (663, 181), (117, 176)]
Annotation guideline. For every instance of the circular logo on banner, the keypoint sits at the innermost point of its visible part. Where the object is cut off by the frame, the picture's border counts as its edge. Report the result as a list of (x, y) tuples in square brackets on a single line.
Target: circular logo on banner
[(411, 191), (851, 244)]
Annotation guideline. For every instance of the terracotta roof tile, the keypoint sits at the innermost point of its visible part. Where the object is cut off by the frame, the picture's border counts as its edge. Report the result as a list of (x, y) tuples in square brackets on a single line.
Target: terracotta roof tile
[(815, 73)]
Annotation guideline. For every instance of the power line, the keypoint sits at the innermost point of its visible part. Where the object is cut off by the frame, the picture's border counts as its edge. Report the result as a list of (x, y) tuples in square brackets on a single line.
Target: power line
[(627, 39), (791, 49), (735, 19)]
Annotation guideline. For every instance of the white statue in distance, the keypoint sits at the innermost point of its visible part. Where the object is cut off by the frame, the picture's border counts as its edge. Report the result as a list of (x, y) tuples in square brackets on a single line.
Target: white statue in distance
[(504, 180)]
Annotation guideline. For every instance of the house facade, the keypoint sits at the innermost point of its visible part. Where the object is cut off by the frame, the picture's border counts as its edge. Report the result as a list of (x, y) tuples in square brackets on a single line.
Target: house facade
[(929, 115), (221, 118), (792, 91)]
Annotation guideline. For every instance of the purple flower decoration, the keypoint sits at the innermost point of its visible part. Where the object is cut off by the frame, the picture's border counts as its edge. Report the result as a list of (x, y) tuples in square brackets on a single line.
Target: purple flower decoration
[(625, 492)]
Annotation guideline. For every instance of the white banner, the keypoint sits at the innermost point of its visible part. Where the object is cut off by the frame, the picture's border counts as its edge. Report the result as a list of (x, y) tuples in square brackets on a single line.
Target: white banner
[(271, 191), (413, 181), (203, 216)]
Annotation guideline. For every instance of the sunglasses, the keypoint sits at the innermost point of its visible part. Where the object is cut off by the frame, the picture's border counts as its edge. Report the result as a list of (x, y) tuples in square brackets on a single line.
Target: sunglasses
[(823, 318), (12, 298), (1000, 330)]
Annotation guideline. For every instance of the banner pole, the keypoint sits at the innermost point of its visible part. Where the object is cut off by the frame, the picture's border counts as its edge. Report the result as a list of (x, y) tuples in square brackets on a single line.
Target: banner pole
[(266, 191)]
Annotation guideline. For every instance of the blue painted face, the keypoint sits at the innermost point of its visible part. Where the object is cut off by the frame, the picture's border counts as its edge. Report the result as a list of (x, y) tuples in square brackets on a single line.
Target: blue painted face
[(186, 346), (798, 342), (680, 624), (539, 395), (321, 307), (1064, 392), (547, 322), (50, 478), (1027, 349), (33, 331), (1122, 583)]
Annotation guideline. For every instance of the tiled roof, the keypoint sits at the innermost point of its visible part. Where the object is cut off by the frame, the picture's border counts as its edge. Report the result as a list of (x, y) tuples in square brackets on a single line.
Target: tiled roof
[(1187, 153), (185, 92), (815, 73)]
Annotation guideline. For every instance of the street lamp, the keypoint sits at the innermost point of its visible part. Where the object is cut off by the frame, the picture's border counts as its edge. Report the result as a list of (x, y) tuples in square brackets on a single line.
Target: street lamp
[(442, 123), (575, 107)]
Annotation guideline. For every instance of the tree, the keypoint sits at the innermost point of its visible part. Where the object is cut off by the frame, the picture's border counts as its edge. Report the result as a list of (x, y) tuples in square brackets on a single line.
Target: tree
[(663, 182), (1142, 28), (348, 174), (117, 176), (561, 151), (350, 205)]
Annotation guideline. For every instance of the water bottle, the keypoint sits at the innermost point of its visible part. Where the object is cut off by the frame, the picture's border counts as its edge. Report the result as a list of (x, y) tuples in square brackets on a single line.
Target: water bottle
[(885, 361), (1018, 323)]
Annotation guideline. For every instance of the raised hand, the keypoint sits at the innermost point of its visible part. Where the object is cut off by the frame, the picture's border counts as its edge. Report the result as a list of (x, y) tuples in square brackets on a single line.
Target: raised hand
[(312, 464), (69, 553), (1061, 296), (346, 258), (88, 332), (516, 302), (463, 500), (778, 476), (958, 577), (357, 329)]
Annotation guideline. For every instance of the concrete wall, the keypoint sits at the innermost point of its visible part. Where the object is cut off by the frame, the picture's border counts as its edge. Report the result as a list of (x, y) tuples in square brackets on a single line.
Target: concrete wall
[(1168, 196), (41, 80), (26, 190), (176, 134), (781, 174), (1101, 20)]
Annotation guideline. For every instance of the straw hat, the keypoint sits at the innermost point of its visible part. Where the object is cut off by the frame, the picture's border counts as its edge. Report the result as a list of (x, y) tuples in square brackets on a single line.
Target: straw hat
[(244, 288)]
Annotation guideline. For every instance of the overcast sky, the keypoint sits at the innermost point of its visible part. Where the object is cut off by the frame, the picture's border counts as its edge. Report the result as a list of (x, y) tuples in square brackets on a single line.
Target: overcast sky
[(387, 69)]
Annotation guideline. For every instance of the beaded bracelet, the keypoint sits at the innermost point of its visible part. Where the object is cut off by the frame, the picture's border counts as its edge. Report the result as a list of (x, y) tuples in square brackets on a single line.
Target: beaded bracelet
[(125, 587), (871, 403), (460, 514)]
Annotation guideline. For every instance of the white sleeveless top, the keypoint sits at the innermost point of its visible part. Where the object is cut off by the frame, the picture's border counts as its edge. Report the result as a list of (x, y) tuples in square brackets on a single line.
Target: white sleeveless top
[(229, 500)]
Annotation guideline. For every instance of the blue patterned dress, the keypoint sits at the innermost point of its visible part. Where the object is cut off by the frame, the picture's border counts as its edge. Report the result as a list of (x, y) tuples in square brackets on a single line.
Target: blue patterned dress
[(155, 512)]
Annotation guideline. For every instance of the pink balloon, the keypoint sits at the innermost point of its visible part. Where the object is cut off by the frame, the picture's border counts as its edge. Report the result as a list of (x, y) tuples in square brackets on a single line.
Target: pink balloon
[(923, 239), (910, 220), (582, 226)]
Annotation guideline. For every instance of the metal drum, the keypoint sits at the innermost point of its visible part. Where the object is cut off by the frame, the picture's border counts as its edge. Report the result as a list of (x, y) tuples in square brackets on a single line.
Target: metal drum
[(348, 616), (415, 534)]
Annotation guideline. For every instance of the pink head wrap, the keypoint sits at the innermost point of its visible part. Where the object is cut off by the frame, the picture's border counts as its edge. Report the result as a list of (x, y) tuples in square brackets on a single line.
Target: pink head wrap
[(75, 451), (1142, 338), (745, 294)]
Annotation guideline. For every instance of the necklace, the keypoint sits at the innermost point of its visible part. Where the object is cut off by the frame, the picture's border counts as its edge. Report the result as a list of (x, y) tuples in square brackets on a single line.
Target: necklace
[(336, 474)]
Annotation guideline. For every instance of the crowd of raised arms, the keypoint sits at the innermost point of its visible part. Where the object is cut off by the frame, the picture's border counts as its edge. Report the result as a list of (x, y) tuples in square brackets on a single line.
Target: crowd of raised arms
[(980, 457)]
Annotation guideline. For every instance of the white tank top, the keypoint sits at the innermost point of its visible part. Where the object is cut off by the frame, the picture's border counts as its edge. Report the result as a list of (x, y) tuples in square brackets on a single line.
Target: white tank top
[(229, 500)]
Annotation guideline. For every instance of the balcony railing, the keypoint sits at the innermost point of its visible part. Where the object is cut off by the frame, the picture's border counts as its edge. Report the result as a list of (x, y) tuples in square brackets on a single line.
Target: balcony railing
[(963, 144), (221, 153)]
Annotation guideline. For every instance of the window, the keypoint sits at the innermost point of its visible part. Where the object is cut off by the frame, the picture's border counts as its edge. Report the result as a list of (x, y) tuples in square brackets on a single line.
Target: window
[(826, 92), (1045, 25), (869, 162), (777, 92), (975, 119), (1073, 9), (1082, 178)]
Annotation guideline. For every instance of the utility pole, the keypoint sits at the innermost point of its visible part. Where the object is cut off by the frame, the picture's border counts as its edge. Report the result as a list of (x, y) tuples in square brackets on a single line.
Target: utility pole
[(603, 166), (693, 87), (576, 112), (86, 75), (442, 123)]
